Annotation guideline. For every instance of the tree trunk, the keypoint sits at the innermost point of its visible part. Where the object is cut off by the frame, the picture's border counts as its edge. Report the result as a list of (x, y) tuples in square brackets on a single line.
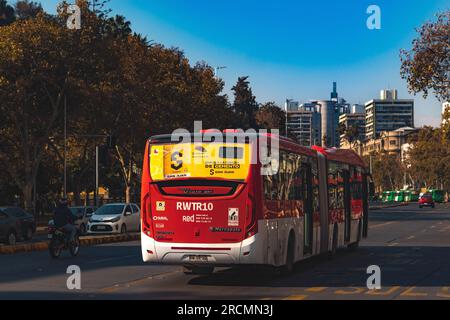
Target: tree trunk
[(27, 191), (128, 194)]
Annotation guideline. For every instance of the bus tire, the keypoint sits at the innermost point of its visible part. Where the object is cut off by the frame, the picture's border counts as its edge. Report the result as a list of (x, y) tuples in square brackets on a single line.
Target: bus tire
[(198, 270), (288, 268), (334, 243)]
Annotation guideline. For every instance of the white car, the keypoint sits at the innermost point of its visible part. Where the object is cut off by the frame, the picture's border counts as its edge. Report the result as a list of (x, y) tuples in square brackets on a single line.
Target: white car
[(81, 216), (115, 218)]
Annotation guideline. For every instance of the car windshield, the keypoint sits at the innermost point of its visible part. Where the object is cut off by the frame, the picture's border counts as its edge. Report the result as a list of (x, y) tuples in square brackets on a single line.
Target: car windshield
[(110, 209)]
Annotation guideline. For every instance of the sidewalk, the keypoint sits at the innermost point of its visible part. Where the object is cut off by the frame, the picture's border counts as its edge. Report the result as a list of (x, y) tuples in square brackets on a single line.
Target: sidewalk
[(84, 241)]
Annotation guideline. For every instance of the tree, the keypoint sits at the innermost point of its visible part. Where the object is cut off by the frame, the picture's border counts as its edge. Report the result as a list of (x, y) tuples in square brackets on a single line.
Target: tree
[(426, 66), (114, 83), (25, 9), (388, 171), (351, 134), (429, 158), (40, 63), (245, 105), (270, 116), (6, 13)]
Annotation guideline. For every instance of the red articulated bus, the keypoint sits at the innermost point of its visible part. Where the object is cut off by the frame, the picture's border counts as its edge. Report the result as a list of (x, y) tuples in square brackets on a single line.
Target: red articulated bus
[(211, 204)]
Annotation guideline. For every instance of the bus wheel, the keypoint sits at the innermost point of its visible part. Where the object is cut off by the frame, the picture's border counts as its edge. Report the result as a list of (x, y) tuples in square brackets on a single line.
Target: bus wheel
[(204, 270), (288, 268), (334, 244)]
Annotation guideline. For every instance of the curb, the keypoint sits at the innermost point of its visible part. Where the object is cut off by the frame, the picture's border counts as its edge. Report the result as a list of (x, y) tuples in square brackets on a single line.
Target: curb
[(389, 206), (42, 246)]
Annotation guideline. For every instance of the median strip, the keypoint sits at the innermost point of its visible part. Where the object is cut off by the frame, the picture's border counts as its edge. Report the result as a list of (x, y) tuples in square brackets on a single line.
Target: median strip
[(84, 241), (389, 206)]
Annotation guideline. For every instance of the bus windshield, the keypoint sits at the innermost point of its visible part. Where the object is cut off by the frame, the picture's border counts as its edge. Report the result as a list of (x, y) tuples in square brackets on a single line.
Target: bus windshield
[(200, 160)]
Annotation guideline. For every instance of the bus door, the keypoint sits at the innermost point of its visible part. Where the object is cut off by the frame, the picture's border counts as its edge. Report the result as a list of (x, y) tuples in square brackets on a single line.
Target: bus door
[(347, 205), (367, 191), (308, 219)]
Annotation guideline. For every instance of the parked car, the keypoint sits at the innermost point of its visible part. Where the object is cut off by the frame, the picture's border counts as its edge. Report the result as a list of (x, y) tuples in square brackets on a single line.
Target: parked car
[(16, 225), (426, 201), (81, 218), (82, 214), (115, 218)]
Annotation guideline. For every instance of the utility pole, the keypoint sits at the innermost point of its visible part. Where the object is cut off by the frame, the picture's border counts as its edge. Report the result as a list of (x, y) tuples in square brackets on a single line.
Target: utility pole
[(65, 147), (96, 176)]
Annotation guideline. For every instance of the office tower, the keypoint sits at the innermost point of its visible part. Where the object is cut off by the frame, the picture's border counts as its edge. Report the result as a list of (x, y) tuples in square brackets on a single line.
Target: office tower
[(388, 114), (304, 124)]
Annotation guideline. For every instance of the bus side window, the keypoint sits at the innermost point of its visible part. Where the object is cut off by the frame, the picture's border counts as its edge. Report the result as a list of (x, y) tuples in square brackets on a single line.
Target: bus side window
[(315, 178)]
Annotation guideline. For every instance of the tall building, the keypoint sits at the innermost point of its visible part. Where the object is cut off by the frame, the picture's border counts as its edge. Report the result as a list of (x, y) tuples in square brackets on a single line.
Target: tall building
[(291, 105), (304, 124), (350, 120), (388, 114), (329, 123), (357, 108), (334, 94)]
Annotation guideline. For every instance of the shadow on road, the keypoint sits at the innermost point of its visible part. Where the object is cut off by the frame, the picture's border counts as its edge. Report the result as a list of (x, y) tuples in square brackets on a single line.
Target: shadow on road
[(400, 266)]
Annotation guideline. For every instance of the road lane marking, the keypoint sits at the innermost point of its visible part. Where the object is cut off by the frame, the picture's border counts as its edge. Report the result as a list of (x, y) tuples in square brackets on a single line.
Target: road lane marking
[(393, 244), (296, 297), (131, 283), (444, 295), (383, 293), (316, 289), (353, 290), (382, 224), (410, 293), (111, 259)]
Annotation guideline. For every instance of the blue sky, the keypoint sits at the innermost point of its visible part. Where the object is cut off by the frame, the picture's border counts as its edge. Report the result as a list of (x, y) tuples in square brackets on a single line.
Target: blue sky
[(291, 49)]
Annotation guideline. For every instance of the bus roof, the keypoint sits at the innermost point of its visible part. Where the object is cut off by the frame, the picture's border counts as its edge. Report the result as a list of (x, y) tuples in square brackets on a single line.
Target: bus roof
[(338, 155), (341, 155), (285, 143)]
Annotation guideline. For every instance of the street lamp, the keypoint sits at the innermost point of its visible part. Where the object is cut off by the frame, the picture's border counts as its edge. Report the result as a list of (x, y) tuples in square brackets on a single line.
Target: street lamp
[(65, 147), (216, 71)]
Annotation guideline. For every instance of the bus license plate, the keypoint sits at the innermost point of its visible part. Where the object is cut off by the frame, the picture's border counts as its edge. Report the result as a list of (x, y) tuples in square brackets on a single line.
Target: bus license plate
[(198, 258)]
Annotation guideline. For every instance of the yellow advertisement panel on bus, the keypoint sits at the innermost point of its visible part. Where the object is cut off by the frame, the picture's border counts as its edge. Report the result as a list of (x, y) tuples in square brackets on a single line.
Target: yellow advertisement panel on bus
[(200, 160)]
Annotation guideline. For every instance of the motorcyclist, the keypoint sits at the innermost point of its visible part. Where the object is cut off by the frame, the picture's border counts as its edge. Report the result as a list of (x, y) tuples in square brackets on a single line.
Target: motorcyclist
[(64, 219)]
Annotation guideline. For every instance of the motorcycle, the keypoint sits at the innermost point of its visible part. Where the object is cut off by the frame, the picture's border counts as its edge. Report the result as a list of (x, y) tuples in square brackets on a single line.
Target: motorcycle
[(59, 241)]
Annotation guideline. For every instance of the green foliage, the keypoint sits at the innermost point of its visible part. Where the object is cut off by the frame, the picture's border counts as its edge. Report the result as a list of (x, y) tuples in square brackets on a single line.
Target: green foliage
[(25, 9), (388, 171), (245, 105), (270, 116), (429, 158), (114, 83), (426, 65), (7, 15)]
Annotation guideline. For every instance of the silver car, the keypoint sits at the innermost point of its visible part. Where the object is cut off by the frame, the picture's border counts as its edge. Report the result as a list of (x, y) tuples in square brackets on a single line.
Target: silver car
[(82, 216), (115, 218)]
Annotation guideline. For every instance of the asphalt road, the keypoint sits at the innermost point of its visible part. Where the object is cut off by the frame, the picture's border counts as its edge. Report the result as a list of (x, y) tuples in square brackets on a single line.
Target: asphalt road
[(410, 245)]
